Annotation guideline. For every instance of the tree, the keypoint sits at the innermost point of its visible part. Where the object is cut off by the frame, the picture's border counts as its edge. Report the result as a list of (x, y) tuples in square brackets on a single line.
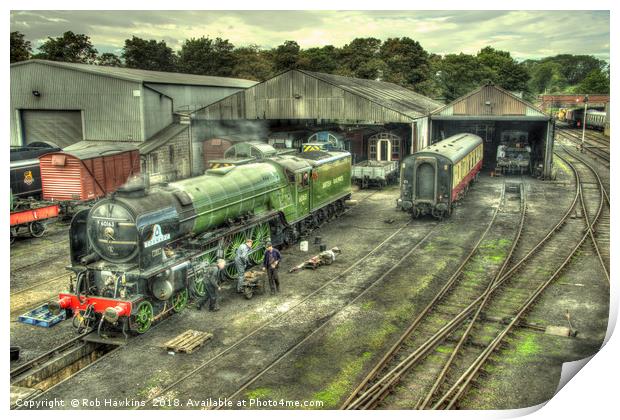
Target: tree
[(206, 56), (360, 58), (110, 60), (252, 63), (21, 49), (506, 71), (145, 54), (458, 74), (323, 59), (407, 63), (286, 56), (575, 68), (547, 77), (70, 47), (595, 82)]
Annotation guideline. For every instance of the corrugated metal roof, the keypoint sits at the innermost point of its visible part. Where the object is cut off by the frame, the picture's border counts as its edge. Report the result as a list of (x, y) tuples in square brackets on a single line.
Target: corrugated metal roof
[(161, 138), (389, 95), (88, 149), (149, 76)]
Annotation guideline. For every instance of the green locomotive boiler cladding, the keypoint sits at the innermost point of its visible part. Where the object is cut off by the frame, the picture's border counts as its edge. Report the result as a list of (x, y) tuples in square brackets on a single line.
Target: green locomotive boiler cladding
[(140, 253), (138, 225)]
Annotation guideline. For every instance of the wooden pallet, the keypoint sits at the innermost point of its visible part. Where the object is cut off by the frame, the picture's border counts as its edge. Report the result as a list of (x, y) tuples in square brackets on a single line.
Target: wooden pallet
[(187, 342)]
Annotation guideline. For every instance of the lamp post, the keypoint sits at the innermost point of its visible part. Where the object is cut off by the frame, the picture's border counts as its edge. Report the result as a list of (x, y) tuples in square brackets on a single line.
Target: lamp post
[(583, 128)]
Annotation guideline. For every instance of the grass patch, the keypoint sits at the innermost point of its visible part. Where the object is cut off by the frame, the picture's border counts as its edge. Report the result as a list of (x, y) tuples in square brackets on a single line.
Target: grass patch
[(259, 393), (340, 386)]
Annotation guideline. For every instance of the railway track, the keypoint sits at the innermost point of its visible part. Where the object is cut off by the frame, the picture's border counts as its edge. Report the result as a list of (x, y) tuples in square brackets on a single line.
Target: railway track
[(62, 362), (450, 398), (332, 282), (598, 148), (441, 389), (601, 212), (445, 306), (324, 321)]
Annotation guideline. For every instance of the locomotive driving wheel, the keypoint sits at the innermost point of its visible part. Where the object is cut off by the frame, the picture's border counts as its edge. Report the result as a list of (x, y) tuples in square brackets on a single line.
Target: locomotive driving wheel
[(144, 316), (179, 301), (231, 251), (260, 235)]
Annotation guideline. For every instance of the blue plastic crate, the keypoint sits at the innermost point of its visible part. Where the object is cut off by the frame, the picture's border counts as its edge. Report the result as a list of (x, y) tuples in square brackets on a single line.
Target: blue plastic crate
[(42, 317)]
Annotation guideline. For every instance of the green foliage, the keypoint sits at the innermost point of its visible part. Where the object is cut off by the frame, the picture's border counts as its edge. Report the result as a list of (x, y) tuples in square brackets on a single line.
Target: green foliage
[(21, 49), (595, 82), (324, 59), (109, 59), (360, 58), (547, 77), (459, 74), (506, 71), (407, 63), (286, 56), (252, 63), (70, 47), (207, 57), (402, 61), (145, 54)]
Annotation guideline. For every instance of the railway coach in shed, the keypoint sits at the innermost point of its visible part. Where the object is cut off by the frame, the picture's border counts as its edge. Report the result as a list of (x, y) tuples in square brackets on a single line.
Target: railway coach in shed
[(436, 177)]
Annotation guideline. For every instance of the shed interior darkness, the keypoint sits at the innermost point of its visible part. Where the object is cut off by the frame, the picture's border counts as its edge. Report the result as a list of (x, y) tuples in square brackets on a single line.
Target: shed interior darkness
[(491, 132)]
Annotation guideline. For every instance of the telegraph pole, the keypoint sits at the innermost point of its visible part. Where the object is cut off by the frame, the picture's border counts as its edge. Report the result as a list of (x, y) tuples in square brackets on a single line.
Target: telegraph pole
[(583, 129)]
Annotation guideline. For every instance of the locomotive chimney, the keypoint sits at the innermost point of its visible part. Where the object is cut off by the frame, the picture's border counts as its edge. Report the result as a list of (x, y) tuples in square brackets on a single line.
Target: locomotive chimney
[(134, 187)]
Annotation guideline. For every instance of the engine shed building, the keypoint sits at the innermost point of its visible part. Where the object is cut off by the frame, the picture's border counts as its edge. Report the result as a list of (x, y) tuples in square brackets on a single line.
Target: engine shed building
[(299, 100), (66, 103), (498, 116)]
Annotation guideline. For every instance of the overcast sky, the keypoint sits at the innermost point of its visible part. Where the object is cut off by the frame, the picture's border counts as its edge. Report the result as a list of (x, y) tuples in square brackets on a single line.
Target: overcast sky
[(526, 34)]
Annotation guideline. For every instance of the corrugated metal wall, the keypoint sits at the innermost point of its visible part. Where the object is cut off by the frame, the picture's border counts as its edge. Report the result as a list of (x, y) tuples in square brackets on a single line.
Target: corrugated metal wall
[(109, 107), (489, 101), (157, 112), (190, 98), (294, 95)]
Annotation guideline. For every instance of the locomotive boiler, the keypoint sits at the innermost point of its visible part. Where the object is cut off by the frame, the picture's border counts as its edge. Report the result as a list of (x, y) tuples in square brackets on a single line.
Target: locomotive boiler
[(141, 254)]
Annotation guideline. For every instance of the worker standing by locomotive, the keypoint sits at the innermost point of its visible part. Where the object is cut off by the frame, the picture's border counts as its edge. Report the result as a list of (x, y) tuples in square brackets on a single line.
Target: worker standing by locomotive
[(212, 285), (271, 263), (241, 262)]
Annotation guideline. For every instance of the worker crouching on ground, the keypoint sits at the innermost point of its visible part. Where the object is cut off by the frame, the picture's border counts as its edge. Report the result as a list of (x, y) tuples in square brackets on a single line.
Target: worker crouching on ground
[(271, 263), (213, 274), (242, 262)]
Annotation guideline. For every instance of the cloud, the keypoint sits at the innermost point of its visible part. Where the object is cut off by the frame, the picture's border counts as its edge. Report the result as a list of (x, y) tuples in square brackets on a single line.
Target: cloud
[(526, 34)]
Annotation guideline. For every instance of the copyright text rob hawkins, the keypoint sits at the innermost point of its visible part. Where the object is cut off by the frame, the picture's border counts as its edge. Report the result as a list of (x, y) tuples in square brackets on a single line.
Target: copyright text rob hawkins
[(86, 403)]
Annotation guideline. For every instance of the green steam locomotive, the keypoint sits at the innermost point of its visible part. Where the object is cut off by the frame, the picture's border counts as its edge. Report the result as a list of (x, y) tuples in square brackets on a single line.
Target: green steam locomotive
[(140, 253)]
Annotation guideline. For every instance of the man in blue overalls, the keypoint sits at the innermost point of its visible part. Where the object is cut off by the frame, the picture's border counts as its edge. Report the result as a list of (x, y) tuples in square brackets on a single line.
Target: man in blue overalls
[(271, 262), (242, 260)]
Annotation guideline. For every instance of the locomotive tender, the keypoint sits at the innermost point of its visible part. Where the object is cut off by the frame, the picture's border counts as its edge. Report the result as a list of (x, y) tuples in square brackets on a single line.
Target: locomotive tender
[(140, 254), (436, 177)]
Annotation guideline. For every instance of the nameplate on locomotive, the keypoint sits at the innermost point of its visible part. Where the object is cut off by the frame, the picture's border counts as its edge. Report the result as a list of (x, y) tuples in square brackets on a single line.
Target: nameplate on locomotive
[(156, 237)]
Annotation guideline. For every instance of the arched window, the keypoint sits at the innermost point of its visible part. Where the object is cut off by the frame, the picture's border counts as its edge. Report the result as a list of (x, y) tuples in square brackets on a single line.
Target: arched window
[(384, 146)]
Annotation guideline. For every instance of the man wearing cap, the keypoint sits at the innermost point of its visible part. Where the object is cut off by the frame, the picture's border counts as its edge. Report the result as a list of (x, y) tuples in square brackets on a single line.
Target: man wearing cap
[(271, 262), (241, 262), (212, 285)]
